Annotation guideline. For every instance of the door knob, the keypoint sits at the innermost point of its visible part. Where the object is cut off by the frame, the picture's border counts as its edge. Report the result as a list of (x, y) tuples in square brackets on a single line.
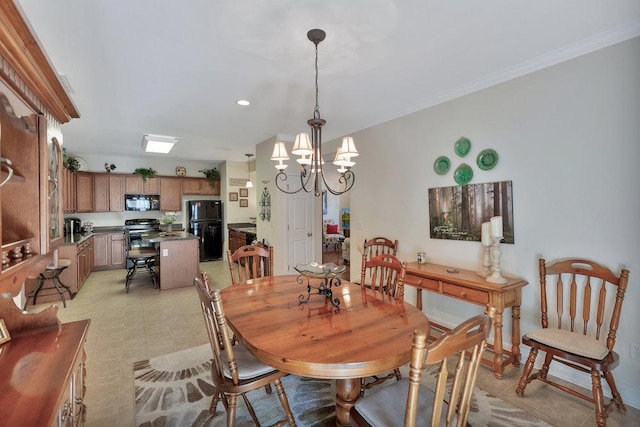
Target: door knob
[(309, 234)]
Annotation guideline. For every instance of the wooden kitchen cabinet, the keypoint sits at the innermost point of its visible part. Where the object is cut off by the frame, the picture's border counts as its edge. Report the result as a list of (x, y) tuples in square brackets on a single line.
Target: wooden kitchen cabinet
[(108, 250), (108, 193), (81, 256), (237, 239), (170, 194), (84, 192), (134, 184), (199, 186), (68, 191)]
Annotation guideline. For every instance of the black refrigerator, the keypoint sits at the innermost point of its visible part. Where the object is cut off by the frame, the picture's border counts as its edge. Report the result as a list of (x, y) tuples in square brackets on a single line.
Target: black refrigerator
[(205, 221)]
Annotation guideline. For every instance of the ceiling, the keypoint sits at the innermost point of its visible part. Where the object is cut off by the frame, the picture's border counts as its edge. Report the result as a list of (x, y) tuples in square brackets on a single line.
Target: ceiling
[(177, 67)]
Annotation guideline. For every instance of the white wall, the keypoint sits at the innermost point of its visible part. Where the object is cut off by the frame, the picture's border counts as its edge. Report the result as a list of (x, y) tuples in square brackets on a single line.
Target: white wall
[(568, 138)]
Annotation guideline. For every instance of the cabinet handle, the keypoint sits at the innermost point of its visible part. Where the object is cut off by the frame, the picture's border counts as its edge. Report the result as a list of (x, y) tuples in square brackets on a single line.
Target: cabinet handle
[(309, 234)]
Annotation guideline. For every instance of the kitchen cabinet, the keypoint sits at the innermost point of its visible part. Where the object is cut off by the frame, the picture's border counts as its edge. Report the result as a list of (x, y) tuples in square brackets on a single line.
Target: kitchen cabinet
[(170, 194), (237, 239), (42, 374), (68, 191), (81, 256), (108, 250), (108, 193), (199, 186), (134, 184), (84, 192)]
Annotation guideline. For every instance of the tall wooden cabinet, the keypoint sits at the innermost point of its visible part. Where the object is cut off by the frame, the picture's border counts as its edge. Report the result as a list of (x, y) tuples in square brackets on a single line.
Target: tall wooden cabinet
[(84, 192), (170, 194), (68, 191)]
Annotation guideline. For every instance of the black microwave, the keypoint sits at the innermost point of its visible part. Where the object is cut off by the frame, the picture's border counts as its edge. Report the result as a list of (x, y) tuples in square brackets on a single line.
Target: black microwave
[(141, 202)]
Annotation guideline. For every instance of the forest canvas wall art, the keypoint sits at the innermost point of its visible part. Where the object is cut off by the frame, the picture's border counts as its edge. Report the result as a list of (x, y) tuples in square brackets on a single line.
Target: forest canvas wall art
[(457, 213)]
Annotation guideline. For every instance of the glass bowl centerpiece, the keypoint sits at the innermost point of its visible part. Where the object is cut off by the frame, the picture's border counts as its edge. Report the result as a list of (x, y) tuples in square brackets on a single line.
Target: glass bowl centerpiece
[(329, 275)]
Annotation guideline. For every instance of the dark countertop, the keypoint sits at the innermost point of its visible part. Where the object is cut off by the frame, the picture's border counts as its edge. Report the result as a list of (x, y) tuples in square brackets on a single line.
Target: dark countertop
[(161, 237), (76, 238), (243, 227)]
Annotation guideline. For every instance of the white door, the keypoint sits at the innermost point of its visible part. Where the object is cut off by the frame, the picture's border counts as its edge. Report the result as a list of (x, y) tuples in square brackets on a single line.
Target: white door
[(300, 214)]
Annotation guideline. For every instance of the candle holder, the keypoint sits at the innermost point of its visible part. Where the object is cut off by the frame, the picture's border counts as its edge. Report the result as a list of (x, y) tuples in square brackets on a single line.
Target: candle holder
[(486, 262), (495, 276)]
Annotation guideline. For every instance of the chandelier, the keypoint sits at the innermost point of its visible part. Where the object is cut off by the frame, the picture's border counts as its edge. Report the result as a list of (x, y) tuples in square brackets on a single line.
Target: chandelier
[(309, 150)]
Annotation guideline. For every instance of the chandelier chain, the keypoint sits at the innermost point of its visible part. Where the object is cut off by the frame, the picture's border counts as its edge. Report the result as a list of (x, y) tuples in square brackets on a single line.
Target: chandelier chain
[(316, 111)]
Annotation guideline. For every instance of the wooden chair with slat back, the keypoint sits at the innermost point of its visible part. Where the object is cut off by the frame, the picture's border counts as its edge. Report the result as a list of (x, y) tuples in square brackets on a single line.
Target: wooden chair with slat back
[(457, 353), (250, 262), (577, 332), (235, 371), (386, 276), (372, 248)]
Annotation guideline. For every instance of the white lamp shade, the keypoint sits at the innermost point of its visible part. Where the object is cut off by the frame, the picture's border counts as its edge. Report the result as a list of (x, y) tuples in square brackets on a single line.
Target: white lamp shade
[(348, 147), (279, 152), (304, 160), (302, 145)]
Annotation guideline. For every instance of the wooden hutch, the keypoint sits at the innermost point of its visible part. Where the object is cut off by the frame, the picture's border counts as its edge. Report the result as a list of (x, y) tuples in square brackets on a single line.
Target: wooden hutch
[(42, 366)]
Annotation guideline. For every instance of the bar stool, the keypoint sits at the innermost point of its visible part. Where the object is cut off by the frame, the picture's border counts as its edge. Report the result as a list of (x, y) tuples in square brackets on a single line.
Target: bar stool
[(52, 272)]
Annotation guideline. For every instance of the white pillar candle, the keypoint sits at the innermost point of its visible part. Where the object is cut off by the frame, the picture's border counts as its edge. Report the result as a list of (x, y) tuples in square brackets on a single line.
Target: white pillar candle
[(486, 234), (496, 226)]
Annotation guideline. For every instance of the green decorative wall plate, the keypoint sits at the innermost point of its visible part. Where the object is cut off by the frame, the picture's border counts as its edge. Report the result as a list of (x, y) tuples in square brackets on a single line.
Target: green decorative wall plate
[(462, 146), (442, 165), (487, 159), (463, 174)]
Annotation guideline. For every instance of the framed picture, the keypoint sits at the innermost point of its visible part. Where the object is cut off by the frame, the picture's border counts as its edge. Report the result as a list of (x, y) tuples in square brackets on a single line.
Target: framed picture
[(233, 197), (4, 333), (244, 203), (244, 192)]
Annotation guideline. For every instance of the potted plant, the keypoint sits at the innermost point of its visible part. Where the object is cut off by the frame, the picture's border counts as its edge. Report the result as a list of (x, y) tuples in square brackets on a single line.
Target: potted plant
[(145, 173), (69, 162), (213, 176), (168, 219)]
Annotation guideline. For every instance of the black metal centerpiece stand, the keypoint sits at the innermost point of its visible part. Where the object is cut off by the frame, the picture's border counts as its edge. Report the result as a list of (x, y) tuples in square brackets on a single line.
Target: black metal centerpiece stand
[(328, 276)]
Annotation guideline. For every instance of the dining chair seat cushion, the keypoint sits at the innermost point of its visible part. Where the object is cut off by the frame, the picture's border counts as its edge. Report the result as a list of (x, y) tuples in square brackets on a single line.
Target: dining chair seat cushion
[(385, 406), (248, 366), (571, 342)]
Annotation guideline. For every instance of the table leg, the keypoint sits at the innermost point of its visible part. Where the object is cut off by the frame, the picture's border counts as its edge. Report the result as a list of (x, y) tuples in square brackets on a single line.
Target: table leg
[(498, 366), (515, 334), (347, 392)]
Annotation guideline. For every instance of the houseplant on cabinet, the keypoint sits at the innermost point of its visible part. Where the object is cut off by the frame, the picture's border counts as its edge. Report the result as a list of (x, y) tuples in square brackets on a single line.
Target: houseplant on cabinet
[(145, 173), (213, 176)]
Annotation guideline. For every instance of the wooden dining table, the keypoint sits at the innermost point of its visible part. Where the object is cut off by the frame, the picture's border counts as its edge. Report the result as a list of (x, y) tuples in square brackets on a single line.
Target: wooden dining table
[(366, 334)]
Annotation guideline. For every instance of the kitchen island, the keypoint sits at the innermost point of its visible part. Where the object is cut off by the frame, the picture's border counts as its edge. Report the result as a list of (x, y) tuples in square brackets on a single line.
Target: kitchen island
[(178, 260)]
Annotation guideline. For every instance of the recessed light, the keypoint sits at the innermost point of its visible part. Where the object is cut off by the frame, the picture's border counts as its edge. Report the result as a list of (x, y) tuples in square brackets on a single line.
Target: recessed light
[(243, 102)]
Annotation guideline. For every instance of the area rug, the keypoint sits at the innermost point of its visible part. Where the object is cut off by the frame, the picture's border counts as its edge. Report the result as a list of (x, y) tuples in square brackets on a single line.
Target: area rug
[(175, 390)]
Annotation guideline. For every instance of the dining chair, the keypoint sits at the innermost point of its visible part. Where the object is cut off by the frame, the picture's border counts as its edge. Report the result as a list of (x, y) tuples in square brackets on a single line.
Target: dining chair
[(386, 276), (250, 262), (374, 247), (579, 326), (235, 371), (139, 257), (457, 353)]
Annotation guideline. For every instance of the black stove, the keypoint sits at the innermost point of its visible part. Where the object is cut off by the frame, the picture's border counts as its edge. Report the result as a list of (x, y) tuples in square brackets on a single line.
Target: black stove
[(139, 226)]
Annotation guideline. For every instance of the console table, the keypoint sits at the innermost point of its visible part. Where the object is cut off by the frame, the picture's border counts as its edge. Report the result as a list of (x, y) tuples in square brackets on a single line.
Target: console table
[(468, 286)]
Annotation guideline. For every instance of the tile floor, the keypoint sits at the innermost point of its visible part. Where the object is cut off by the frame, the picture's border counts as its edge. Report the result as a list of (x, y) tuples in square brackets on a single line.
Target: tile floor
[(145, 323)]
